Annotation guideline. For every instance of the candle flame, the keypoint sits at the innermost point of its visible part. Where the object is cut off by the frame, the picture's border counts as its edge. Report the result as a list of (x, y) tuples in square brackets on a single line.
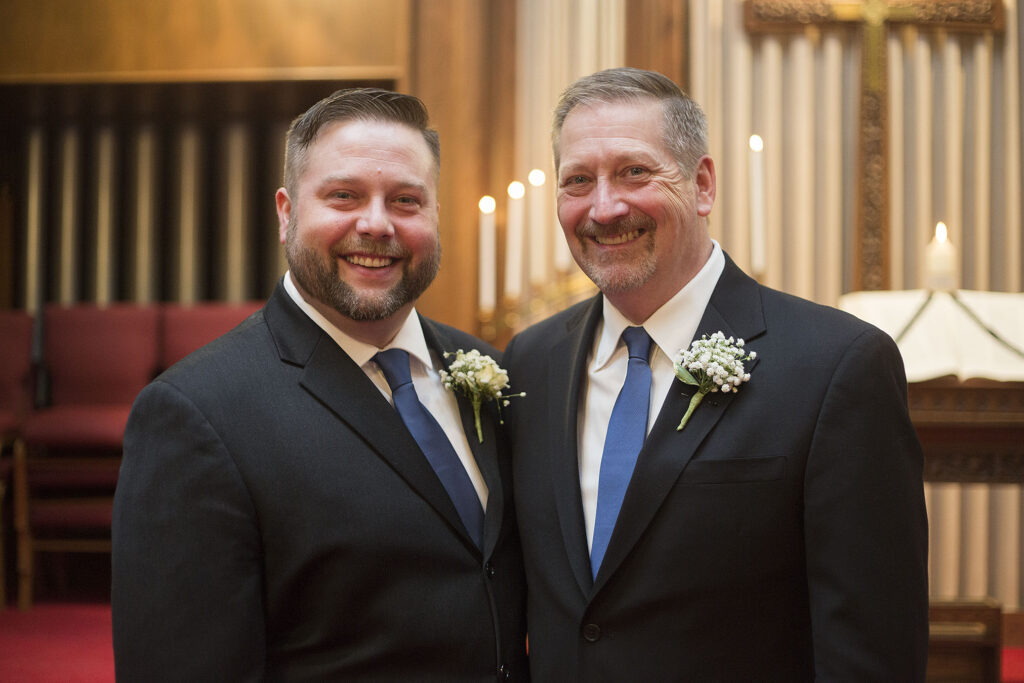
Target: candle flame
[(756, 143), (536, 177), (941, 233), (487, 204), (516, 189)]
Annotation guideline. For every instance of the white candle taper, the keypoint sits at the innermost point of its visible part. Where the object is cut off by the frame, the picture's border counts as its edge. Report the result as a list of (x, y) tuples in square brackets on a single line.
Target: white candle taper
[(487, 275), (559, 247), (758, 246), (538, 228), (940, 261), (514, 241)]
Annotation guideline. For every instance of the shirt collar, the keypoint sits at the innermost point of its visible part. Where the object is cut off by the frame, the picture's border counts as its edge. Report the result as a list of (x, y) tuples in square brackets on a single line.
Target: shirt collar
[(410, 335), (674, 324)]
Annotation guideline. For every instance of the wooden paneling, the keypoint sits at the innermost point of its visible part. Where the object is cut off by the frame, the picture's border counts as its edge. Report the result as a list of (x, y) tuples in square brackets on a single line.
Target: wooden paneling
[(1013, 629), (656, 38), (457, 55), (196, 40), (965, 641), (7, 246), (462, 69), (970, 431)]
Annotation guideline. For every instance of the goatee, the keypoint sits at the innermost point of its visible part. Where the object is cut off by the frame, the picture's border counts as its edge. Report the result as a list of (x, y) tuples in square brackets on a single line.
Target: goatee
[(618, 272), (321, 279)]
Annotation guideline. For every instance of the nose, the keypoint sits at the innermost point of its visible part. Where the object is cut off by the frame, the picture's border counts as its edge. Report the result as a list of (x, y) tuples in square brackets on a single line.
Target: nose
[(374, 221), (608, 204)]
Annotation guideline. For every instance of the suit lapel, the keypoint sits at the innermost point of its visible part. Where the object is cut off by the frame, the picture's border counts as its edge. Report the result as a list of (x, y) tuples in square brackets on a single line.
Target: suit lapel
[(486, 456), (342, 386), (735, 309), (485, 453), (565, 380)]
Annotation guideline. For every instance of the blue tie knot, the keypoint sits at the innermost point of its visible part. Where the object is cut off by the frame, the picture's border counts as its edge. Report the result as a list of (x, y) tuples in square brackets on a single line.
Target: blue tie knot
[(638, 342), (394, 363)]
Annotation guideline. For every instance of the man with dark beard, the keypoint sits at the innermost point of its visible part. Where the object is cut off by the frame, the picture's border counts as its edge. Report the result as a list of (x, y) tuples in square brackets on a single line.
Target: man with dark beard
[(299, 500)]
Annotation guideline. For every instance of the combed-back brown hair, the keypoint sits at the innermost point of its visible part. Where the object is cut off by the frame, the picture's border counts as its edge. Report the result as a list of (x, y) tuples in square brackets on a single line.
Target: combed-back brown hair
[(355, 104)]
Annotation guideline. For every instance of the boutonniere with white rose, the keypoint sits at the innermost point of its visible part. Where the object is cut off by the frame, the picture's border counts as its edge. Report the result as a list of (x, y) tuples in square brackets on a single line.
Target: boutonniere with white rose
[(478, 377), (712, 364)]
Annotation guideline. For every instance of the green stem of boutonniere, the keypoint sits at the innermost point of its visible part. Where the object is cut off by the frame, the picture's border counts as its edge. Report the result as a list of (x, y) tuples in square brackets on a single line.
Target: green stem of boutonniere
[(476, 417), (694, 402)]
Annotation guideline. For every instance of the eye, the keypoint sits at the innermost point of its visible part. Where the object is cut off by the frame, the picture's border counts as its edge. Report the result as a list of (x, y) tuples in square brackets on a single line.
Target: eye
[(407, 201), (574, 180), (636, 171), (342, 194)]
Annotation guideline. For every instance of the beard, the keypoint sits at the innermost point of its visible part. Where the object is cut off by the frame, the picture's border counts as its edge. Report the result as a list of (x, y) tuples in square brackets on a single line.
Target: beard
[(320, 277), (618, 272)]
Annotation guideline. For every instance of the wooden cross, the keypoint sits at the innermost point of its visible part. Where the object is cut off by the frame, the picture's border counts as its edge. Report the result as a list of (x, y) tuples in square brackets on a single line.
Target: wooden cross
[(871, 263)]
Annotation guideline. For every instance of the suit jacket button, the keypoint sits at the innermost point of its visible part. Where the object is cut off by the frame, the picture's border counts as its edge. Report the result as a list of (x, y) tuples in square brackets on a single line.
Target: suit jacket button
[(504, 672), (489, 569), (592, 633)]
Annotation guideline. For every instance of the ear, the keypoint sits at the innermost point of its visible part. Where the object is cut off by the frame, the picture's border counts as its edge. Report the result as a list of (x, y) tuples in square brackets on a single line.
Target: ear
[(705, 185), (284, 212)]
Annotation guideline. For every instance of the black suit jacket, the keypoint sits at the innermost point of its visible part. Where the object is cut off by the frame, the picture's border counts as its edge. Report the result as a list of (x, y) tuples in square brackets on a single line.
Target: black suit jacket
[(275, 520), (781, 536)]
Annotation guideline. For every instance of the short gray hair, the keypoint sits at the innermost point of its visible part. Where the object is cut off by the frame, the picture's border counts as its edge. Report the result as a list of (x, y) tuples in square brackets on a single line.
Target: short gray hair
[(685, 130)]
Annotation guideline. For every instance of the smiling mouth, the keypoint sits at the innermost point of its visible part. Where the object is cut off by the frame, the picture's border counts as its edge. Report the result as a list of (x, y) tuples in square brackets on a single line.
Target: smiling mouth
[(369, 261), (611, 240)]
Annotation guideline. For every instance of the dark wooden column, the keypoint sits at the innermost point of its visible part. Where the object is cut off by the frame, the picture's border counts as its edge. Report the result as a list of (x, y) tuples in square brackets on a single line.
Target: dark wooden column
[(462, 64)]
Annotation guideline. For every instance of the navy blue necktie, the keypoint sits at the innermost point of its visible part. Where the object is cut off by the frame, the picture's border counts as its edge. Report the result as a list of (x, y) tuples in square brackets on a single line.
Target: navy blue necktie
[(432, 441), (627, 430)]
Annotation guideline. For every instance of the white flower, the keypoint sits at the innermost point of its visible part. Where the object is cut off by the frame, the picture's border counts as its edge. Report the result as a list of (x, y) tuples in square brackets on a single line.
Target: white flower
[(478, 377), (712, 364)]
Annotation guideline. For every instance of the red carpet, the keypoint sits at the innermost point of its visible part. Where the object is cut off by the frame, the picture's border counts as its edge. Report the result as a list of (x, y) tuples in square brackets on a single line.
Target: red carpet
[(56, 643), (1013, 665), (70, 643)]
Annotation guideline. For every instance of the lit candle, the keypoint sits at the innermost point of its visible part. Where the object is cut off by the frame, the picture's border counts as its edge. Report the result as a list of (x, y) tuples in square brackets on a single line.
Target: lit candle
[(563, 257), (514, 241), (487, 276), (758, 247), (940, 261), (538, 229)]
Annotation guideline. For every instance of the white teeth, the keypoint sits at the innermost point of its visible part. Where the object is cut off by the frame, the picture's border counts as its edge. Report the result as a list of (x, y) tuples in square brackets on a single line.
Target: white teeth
[(618, 239), (369, 261)]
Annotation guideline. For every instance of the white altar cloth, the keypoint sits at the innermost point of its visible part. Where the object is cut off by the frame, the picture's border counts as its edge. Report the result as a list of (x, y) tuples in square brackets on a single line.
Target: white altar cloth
[(949, 335)]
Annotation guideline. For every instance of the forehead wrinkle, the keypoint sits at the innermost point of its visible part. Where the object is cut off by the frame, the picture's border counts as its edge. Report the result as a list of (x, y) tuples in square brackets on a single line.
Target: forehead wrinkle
[(618, 156), (612, 122)]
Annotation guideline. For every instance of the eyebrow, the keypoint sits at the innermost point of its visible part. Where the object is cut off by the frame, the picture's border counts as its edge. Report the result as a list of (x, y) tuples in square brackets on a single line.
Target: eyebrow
[(355, 180), (619, 158)]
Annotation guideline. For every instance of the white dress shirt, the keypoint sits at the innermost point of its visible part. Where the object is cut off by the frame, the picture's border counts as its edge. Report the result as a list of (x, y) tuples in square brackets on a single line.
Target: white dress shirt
[(424, 366), (671, 328)]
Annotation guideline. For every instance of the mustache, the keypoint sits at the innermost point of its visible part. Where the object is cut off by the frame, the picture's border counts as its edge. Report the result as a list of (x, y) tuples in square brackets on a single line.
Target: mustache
[(619, 227), (369, 247)]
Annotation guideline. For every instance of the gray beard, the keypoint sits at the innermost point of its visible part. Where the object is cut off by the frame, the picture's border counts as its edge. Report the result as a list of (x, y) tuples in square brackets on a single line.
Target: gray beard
[(611, 273)]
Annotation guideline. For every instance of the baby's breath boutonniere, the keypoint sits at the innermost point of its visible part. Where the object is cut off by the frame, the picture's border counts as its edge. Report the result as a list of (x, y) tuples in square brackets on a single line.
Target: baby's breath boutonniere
[(477, 377), (711, 364)]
